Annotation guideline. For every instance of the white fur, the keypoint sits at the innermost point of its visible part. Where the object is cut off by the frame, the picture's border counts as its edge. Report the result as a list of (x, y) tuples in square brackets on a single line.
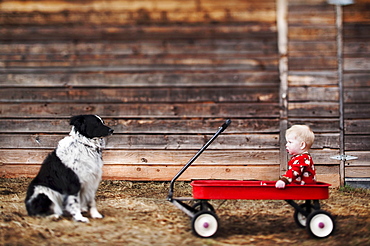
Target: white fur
[(83, 156)]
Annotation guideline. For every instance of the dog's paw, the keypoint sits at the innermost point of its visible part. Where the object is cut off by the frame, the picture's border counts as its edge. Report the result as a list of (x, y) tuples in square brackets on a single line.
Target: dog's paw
[(95, 214), (54, 217), (81, 219)]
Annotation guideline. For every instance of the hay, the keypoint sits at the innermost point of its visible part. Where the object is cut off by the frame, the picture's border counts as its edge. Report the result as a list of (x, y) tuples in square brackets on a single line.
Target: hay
[(137, 213)]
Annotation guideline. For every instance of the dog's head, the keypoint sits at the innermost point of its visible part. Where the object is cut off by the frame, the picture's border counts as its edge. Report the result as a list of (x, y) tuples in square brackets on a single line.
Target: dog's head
[(90, 126)]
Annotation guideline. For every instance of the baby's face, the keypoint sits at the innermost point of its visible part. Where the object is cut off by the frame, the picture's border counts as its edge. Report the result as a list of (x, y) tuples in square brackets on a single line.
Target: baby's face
[(294, 146)]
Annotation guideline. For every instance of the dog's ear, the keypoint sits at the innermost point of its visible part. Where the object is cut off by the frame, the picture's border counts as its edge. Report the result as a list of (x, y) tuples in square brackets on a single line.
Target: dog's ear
[(78, 122)]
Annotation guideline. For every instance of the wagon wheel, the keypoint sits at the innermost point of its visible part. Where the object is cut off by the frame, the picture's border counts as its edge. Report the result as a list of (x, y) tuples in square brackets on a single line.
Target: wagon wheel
[(203, 206), (299, 218), (204, 224), (320, 224)]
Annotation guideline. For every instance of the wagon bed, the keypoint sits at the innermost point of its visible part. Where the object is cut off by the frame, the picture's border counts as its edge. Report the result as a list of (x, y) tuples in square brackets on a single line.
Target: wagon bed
[(257, 190)]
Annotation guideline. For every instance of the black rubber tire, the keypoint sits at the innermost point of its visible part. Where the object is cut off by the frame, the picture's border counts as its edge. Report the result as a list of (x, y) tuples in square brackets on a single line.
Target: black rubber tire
[(299, 218), (198, 207)]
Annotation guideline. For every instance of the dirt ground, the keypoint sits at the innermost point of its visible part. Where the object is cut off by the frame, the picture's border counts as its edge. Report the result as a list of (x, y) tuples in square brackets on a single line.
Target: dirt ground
[(137, 213)]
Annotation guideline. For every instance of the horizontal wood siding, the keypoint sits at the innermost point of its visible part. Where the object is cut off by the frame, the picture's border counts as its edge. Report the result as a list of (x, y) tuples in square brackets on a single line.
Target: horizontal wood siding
[(356, 53), (163, 74), (166, 74), (313, 92)]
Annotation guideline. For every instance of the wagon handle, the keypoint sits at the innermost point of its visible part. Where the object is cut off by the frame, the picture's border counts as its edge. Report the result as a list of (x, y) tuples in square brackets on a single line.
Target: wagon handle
[(219, 131)]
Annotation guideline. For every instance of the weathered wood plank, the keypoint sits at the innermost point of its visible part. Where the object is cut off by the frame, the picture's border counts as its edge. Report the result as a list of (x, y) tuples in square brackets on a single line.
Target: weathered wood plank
[(356, 48), (317, 125), (162, 173), (357, 126), (325, 174), (149, 79), (113, 9), (313, 94), (358, 13), (312, 33), (303, 4), (322, 157), (326, 141), (356, 64), (144, 95), (311, 16), (309, 78), (150, 142), (177, 157), (121, 5), (356, 79), (363, 158), (328, 174), (146, 126), (164, 141), (143, 68), (255, 31), (357, 95), (356, 110), (357, 172), (138, 12), (313, 109), (200, 172), (139, 17), (351, 31), (81, 50), (307, 7), (161, 110), (155, 157), (255, 63), (313, 63), (357, 142), (312, 48)]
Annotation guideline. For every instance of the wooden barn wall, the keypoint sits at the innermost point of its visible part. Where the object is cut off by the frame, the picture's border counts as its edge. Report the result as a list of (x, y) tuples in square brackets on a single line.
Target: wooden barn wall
[(313, 91), (164, 74), (313, 87), (356, 80)]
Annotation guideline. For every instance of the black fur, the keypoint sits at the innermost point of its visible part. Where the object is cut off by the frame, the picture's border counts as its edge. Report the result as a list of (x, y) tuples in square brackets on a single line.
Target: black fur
[(69, 176), (94, 128), (55, 175), (39, 206)]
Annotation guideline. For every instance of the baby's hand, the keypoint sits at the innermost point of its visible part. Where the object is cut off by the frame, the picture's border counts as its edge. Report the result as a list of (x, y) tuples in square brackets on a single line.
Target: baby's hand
[(280, 184)]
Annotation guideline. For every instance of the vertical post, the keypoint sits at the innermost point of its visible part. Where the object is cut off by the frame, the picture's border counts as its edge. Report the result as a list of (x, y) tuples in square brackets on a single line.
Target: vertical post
[(282, 32), (339, 25)]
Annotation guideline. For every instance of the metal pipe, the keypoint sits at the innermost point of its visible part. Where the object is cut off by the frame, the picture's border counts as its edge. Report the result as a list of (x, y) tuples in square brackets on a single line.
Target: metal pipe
[(220, 130)]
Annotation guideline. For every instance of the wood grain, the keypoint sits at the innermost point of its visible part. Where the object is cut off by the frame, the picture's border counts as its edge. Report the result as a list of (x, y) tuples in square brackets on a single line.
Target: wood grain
[(166, 74)]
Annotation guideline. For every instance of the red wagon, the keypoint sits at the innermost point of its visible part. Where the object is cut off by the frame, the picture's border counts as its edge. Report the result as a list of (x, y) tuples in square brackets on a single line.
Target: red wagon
[(205, 223)]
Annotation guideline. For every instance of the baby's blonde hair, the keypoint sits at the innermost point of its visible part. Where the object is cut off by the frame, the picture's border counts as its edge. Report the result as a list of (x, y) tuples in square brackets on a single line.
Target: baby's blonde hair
[(302, 133)]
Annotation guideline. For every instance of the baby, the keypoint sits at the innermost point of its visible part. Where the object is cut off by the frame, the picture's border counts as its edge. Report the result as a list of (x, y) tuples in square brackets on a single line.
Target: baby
[(300, 167)]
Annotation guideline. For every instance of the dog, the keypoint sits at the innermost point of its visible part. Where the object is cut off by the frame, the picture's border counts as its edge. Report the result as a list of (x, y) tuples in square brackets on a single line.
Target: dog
[(69, 176)]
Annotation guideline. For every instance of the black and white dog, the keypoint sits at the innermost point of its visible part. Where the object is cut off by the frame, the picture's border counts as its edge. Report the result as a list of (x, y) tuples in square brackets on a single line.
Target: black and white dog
[(69, 176)]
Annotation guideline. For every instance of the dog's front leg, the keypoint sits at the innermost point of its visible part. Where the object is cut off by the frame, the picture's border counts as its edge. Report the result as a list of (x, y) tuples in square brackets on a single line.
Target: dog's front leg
[(72, 206), (94, 211)]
